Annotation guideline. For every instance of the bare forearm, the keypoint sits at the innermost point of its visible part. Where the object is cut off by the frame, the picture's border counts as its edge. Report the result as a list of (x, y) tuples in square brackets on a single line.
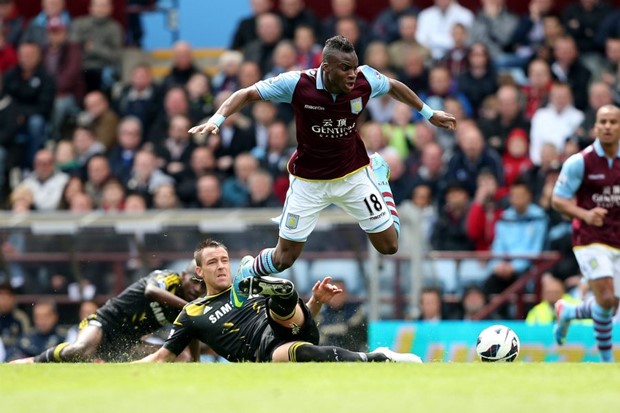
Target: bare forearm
[(567, 207), (402, 93), (238, 100), (162, 355), (164, 297), (314, 305)]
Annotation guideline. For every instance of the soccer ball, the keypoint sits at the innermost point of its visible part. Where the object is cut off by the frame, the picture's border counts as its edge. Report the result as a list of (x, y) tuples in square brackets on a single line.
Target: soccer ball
[(497, 343)]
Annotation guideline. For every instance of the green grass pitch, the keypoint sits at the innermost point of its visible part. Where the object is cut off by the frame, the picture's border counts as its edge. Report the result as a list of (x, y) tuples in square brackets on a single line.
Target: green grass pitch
[(299, 388)]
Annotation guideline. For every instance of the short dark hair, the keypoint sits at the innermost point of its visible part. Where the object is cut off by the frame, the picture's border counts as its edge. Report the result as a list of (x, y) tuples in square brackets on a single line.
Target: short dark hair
[(207, 243), (337, 44)]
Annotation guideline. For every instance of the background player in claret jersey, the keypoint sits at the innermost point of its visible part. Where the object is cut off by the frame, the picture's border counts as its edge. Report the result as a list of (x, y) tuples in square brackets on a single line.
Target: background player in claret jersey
[(588, 190), (114, 331), (274, 324), (330, 165)]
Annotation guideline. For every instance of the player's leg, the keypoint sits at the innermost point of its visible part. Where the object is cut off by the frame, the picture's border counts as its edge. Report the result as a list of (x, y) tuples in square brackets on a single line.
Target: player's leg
[(299, 217), (300, 352), (603, 309), (360, 197), (381, 170), (83, 349)]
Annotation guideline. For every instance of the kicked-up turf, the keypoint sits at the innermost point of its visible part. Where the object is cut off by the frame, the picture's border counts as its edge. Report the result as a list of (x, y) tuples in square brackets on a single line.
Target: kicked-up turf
[(298, 388)]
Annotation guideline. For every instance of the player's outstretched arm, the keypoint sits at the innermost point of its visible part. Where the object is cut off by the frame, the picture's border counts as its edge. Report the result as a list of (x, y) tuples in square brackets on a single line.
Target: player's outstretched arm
[(155, 293), (322, 292), (233, 104), (401, 92), (163, 355)]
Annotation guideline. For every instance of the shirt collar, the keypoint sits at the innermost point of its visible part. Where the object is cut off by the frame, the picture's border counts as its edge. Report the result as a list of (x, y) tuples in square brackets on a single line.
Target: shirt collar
[(319, 78), (598, 148)]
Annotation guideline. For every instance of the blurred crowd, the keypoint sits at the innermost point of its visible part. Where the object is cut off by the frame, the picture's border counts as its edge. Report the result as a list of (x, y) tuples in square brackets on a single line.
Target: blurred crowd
[(524, 88)]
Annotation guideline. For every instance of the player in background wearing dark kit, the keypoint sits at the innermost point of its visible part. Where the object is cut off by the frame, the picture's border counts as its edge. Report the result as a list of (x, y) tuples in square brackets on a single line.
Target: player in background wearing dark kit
[(330, 165), (114, 330), (588, 190), (274, 324)]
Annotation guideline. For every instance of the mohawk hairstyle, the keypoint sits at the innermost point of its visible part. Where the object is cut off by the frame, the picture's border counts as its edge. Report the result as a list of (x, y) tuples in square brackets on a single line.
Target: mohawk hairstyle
[(337, 44)]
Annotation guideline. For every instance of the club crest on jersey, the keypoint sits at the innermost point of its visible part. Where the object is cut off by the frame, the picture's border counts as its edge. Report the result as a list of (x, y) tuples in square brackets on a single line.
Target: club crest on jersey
[(356, 106), (292, 220)]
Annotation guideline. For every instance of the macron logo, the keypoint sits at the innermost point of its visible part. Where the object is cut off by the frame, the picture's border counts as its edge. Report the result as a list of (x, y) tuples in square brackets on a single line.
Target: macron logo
[(314, 107), (596, 177)]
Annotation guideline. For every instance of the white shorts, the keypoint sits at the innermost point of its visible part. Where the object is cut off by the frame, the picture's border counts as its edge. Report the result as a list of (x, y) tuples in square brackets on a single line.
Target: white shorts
[(357, 194), (599, 261)]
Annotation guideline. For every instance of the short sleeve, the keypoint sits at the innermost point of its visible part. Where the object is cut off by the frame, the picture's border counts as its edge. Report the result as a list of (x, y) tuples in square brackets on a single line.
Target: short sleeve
[(570, 177), (181, 334), (379, 83), (280, 88)]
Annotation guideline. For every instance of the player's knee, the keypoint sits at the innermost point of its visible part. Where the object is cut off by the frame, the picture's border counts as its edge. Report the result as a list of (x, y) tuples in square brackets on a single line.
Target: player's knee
[(608, 301), (284, 261), (389, 248), (80, 350)]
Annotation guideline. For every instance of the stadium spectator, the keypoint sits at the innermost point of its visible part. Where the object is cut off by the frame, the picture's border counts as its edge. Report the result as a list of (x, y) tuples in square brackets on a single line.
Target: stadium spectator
[(553, 31), (46, 182), (537, 174), (260, 190), (610, 69), (529, 33), (245, 32), (400, 180), (521, 229), (278, 151), (175, 151), (340, 9), (145, 177), (183, 67), (474, 156), (73, 186), (37, 26), (98, 173), (33, 90), (551, 291), (555, 122), (99, 117), (208, 193), (516, 159), (235, 189), (431, 170), (284, 59), (139, 98), (226, 77), (449, 232), (441, 86), (63, 60), (101, 39), (414, 73), (435, 25), (122, 154), (81, 203), (431, 305), (484, 211), (567, 67), (295, 13), (11, 21), (9, 155), (200, 98), (135, 204), (264, 114), (538, 87), (349, 28), (175, 103), (509, 118), (86, 308), (407, 28), (472, 302), (165, 197), (455, 59), (417, 213), (599, 94), (112, 196), (386, 26), (400, 131), (494, 26), (14, 323), (279, 305), (45, 332), (308, 51), (342, 321), (86, 146), (202, 162), (479, 80), (260, 50), (8, 55), (114, 331), (582, 19)]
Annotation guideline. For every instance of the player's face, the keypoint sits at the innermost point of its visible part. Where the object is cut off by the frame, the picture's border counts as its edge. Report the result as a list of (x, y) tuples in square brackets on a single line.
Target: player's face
[(607, 126), (215, 270), (340, 72), (192, 286)]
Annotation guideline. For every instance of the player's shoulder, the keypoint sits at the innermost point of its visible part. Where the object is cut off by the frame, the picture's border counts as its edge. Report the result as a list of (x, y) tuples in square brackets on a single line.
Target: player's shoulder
[(197, 307)]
